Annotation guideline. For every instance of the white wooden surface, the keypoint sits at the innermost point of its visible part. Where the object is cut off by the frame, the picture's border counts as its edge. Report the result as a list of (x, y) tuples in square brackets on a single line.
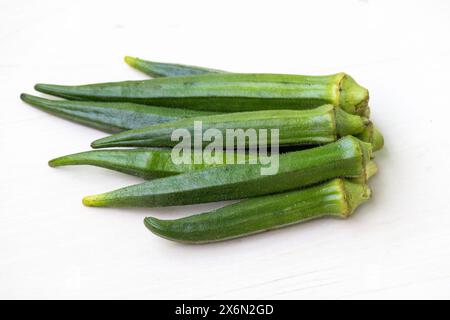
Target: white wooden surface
[(395, 246)]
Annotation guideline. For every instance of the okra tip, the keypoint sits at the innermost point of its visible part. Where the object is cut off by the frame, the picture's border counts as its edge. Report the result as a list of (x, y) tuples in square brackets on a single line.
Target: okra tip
[(131, 61), (48, 88), (106, 142), (116, 140), (93, 157), (29, 99), (107, 199), (25, 97), (167, 229), (65, 161), (54, 163), (36, 101), (154, 225), (141, 65), (93, 200)]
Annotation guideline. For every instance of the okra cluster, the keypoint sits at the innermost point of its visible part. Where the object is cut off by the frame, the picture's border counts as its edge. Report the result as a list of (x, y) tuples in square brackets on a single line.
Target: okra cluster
[(325, 145)]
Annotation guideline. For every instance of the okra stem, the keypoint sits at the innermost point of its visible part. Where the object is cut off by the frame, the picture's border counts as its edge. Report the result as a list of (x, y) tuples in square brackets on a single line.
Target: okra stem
[(370, 170), (110, 116), (336, 198), (227, 92), (161, 69), (345, 158), (322, 125), (372, 135)]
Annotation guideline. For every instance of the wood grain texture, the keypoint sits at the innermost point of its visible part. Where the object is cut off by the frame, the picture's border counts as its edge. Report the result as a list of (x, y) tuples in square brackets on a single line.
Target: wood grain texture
[(395, 246)]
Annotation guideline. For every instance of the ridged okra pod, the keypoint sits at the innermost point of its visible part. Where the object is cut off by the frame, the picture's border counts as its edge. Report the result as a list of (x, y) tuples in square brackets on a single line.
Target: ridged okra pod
[(336, 198), (144, 163), (161, 69), (110, 116), (150, 164), (227, 92), (347, 157), (321, 125)]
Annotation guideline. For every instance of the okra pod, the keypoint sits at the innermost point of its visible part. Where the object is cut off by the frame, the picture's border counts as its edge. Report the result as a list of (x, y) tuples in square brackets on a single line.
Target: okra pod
[(336, 198), (346, 157), (161, 69), (144, 163), (321, 125), (150, 164), (110, 116), (227, 92)]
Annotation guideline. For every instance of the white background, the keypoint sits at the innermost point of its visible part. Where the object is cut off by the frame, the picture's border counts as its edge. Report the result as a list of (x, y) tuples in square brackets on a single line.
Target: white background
[(396, 246)]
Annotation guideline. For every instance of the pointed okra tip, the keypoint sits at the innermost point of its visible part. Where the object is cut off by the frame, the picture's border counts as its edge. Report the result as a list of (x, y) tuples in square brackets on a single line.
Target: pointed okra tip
[(24, 97), (106, 142), (54, 163), (166, 229), (53, 89), (62, 161), (142, 65), (96, 200), (131, 61), (153, 224), (43, 87), (34, 100), (29, 99), (122, 139)]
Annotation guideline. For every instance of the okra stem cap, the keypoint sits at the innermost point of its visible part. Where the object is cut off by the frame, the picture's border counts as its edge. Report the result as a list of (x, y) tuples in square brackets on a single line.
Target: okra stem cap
[(355, 194), (353, 98)]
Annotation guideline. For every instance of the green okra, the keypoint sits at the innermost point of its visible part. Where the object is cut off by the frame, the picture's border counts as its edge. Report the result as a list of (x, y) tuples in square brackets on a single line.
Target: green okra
[(161, 69), (110, 116), (227, 92), (346, 157), (321, 125), (144, 163), (336, 198), (150, 163)]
